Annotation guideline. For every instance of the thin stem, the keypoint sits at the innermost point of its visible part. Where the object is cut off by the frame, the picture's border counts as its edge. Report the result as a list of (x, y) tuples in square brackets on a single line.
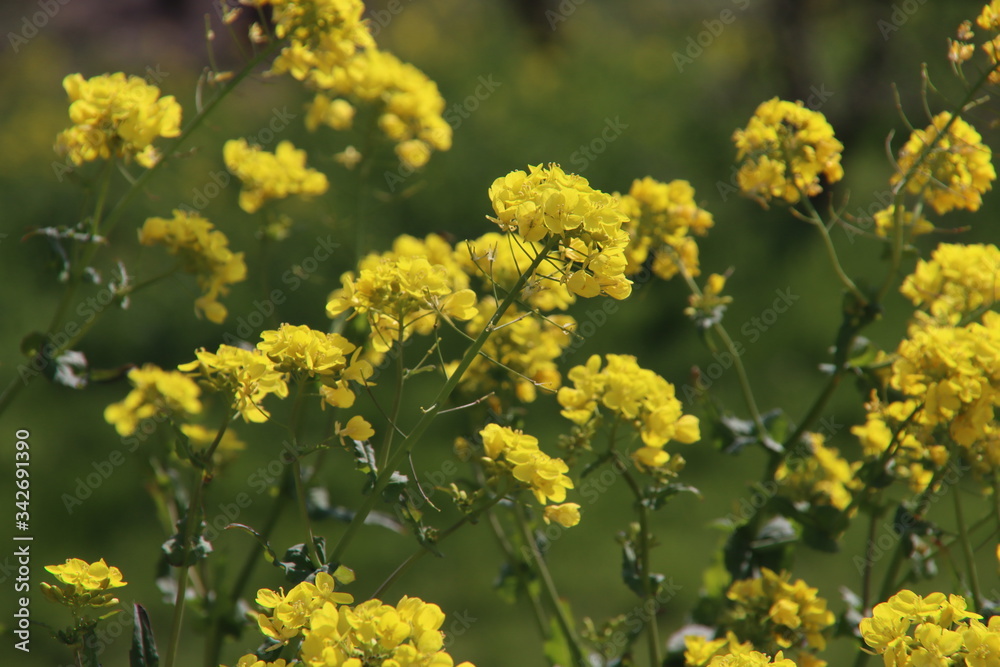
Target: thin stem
[(549, 586), (970, 558), (294, 427), (398, 398), (645, 549), (425, 421)]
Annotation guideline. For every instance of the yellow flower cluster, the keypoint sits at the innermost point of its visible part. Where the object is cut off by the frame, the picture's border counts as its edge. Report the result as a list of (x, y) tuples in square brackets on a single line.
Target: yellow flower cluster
[(958, 282), (774, 614), (933, 630), (411, 103), (821, 478), (246, 375), (784, 150), (520, 354), (271, 175), (499, 260), (913, 225), (961, 50), (155, 391), (290, 613), (710, 301), (400, 295), (116, 116), (331, 49), (548, 204), (200, 438), (634, 394), (204, 251), (956, 169), (299, 349), (519, 454), (83, 584), (730, 652), (374, 633), (662, 218)]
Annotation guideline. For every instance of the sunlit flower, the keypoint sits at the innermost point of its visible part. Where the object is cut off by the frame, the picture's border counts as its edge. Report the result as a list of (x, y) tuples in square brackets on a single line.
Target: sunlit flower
[(271, 175)]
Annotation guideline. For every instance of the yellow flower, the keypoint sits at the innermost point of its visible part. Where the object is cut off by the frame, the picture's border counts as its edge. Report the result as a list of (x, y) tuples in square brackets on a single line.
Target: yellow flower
[(885, 223), (250, 660), (635, 395), (83, 584), (204, 251), (954, 173), (116, 116), (711, 299), (201, 438), (271, 175), (662, 216), (586, 224), (338, 114), (291, 612), (357, 428), (958, 281), (566, 515), (155, 391), (519, 453), (784, 150), (820, 478), (247, 375)]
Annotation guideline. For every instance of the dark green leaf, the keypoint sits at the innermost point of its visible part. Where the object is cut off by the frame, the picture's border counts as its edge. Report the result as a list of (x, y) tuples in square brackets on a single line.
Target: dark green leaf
[(143, 652)]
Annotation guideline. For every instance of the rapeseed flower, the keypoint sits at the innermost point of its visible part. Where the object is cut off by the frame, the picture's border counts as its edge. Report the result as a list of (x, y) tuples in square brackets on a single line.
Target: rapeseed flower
[(518, 453), (203, 251), (956, 170), (783, 152), (271, 175), (247, 375), (155, 392), (819, 476), (291, 612), (116, 116), (957, 282), (83, 584)]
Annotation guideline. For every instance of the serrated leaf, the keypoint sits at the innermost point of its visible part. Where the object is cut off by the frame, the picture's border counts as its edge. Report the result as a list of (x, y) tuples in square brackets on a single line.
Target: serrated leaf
[(143, 652)]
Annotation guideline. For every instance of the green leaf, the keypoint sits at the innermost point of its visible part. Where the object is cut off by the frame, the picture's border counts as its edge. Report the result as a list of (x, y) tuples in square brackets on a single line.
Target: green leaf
[(556, 647), (143, 652), (174, 550)]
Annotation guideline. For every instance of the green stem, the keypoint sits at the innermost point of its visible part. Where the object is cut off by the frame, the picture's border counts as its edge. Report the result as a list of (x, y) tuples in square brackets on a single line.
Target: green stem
[(970, 558), (300, 493), (192, 519), (549, 586), (429, 414), (397, 399), (645, 549)]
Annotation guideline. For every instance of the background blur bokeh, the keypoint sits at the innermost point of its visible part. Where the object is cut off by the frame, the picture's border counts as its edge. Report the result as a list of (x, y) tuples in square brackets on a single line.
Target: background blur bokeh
[(559, 74)]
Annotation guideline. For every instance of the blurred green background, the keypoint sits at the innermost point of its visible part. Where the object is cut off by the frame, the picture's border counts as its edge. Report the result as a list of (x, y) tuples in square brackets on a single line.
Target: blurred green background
[(561, 73)]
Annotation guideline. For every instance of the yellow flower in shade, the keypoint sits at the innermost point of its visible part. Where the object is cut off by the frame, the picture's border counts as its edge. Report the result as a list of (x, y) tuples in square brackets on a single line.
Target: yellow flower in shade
[(783, 152), (710, 300), (83, 584), (885, 223), (201, 438), (956, 169), (357, 428), (250, 660), (204, 251), (338, 114), (774, 614), (155, 392), (958, 281), (271, 175), (566, 515), (500, 259), (819, 476), (116, 116), (402, 294), (700, 650), (520, 356), (662, 218), (635, 395), (587, 225), (989, 18), (247, 375), (520, 455)]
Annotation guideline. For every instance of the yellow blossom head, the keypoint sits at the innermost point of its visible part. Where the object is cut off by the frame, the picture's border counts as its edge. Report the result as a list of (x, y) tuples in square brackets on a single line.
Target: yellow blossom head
[(155, 392), (271, 175), (83, 584)]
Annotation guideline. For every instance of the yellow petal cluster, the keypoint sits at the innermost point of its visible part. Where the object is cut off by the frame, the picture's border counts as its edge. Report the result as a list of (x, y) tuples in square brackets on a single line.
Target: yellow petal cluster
[(204, 251), (400, 295), (784, 151), (913, 225), (321, 34), (520, 356), (957, 282), (634, 394), (154, 392), (290, 612), (662, 219), (83, 584), (519, 453), (500, 259), (271, 175), (116, 116), (700, 650), (548, 205), (909, 629), (819, 476), (950, 171), (374, 633), (774, 614), (247, 375)]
